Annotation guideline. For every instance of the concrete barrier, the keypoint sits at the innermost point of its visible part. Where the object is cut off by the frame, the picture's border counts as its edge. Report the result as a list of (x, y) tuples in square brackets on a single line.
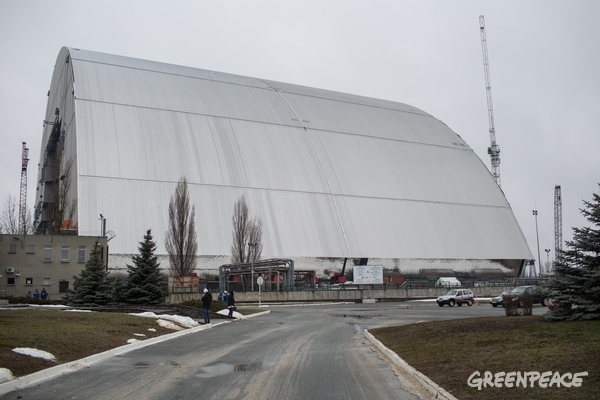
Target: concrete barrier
[(342, 293)]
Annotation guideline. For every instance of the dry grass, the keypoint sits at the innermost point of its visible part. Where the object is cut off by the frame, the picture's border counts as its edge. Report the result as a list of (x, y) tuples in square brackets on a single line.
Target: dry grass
[(448, 352), (68, 336)]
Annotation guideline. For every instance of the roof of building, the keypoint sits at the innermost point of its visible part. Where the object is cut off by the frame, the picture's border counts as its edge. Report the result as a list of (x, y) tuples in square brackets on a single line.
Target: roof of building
[(329, 174)]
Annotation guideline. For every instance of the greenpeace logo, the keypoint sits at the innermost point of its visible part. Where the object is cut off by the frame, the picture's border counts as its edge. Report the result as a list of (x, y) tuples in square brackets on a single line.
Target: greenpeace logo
[(522, 379)]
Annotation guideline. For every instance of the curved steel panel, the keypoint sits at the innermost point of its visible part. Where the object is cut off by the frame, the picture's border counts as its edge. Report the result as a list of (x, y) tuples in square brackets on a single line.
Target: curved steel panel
[(329, 174)]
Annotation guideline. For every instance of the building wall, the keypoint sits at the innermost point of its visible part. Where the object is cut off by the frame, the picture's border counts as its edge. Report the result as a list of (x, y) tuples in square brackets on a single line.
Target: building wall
[(43, 262)]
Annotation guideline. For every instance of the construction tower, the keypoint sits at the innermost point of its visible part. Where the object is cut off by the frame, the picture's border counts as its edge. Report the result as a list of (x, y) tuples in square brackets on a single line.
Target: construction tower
[(23, 195), (494, 149), (557, 219)]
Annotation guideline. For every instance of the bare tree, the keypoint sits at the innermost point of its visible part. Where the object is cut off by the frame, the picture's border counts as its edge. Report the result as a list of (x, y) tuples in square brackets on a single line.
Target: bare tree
[(180, 240), (245, 231), (9, 219), (10, 216)]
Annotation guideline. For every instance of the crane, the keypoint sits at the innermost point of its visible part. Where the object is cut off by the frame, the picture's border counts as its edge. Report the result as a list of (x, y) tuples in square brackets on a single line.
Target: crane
[(557, 219), (494, 149), (23, 197)]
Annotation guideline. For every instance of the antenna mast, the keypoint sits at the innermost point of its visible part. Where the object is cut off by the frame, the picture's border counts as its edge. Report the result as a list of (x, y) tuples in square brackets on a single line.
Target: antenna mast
[(23, 196), (494, 149)]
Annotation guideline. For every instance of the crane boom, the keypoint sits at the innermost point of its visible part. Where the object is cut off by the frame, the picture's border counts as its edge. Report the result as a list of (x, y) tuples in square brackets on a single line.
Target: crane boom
[(494, 149)]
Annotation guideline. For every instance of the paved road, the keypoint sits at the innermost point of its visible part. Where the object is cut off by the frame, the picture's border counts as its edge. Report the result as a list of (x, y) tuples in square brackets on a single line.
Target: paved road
[(299, 352)]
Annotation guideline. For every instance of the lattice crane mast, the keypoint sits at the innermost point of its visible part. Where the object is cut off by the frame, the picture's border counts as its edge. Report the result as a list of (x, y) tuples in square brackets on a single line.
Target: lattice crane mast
[(557, 219), (494, 149), (23, 195)]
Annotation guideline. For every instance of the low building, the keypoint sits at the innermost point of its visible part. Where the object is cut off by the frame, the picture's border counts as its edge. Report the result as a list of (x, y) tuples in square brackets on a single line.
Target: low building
[(30, 262)]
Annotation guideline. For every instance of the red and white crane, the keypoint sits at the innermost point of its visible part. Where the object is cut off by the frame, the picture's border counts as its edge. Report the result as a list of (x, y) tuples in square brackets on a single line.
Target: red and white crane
[(23, 195)]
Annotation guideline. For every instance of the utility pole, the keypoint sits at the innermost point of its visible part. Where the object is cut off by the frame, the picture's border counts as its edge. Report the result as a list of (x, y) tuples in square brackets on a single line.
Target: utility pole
[(535, 214), (253, 247), (494, 149)]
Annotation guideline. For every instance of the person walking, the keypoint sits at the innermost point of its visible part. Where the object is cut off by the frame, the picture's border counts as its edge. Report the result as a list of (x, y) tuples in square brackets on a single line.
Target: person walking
[(230, 305), (44, 294), (36, 294), (206, 300)]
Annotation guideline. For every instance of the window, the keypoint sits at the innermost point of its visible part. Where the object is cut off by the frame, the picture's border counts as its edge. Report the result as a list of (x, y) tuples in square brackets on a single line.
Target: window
[(81, 254), (29, 281), (64, 255), (10, 281), (47, 282), (12, 248), (48, 253), (63, 286), (30, 248)]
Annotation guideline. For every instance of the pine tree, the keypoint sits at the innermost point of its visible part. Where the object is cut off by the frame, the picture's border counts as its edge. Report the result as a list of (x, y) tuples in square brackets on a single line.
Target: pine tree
[(92, 287), (145, 284), (575, 291)]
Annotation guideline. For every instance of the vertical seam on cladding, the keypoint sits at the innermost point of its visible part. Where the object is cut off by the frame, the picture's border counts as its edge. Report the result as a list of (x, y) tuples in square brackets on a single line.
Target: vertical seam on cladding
[(337, 211)]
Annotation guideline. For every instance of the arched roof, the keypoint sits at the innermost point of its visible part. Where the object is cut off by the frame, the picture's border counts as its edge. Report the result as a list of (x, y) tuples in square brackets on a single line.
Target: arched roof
[(329, 174)]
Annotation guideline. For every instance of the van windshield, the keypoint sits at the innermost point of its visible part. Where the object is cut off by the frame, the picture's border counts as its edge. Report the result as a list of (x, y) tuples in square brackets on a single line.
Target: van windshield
[(453, 291)]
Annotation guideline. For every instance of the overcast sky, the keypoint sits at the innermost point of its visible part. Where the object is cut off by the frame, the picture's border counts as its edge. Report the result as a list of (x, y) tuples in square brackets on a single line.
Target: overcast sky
[(544, 63)]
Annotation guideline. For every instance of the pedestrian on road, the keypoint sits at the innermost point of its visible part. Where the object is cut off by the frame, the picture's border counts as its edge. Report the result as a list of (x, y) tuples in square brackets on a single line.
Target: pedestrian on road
[(206, 300), (230, 304)]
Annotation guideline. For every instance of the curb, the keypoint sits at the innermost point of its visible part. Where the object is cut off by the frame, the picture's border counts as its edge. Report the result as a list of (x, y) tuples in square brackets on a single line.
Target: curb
[(49, 373), (436, 391)]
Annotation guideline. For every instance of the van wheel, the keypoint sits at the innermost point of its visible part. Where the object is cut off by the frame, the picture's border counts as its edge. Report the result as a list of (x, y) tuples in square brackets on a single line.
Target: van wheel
[(470, 303), (451, 303), (441, 304), (544, 302)]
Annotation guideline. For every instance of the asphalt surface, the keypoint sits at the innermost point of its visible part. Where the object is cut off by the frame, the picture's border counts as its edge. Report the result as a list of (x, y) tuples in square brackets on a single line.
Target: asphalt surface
[(295, 352)]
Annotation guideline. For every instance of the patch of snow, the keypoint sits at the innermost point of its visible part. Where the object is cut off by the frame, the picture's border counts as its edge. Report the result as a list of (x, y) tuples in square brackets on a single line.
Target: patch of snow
[(6, 375), (235, 314), (175, 320), (152, 329), (139, 334), (34, 353), (132, 341), (75, 310), (48, 306), (169, 325)]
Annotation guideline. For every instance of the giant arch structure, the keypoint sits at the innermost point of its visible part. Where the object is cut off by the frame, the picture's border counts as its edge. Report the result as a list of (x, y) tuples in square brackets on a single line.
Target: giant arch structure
[(330, 175)]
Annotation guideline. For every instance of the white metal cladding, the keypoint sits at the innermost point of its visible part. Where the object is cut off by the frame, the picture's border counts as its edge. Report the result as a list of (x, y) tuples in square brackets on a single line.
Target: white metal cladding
[(329, 174)]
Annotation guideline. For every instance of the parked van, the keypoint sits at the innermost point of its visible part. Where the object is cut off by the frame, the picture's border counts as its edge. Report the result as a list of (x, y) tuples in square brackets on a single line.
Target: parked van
[(448, 282)]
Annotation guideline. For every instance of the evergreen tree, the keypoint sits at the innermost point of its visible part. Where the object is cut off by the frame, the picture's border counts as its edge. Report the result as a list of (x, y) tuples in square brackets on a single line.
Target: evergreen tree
[(92, 287), (145, 284), (576, 288)]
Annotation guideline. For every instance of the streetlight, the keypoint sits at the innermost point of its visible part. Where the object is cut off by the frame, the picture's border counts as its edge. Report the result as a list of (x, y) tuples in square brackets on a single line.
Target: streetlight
[(253, 247), (535, 213), (547, 259)]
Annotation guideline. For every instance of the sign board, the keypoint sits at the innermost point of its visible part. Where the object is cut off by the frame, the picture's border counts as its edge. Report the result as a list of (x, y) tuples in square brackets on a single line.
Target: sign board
[(260, 280), (368, 274)]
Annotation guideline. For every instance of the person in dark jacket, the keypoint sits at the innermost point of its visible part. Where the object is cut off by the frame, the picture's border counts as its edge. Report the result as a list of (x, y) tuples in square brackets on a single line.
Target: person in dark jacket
[(230, 305), (206, 300)]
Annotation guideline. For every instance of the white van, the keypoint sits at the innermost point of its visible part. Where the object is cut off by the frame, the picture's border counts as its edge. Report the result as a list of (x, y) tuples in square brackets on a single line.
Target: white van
[(448, 282)]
